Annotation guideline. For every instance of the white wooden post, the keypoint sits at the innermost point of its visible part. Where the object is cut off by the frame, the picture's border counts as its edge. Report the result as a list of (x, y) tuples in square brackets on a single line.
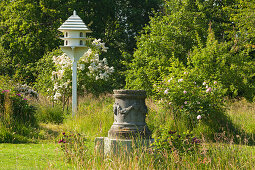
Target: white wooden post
[(74, 88)]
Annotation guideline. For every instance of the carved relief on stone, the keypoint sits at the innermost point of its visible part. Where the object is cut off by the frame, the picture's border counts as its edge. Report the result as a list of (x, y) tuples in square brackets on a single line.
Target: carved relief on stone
[(124, 112)]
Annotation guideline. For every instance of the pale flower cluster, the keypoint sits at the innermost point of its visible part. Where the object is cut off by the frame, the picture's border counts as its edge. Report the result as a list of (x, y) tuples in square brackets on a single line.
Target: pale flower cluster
[(97, 43), (98, 68)]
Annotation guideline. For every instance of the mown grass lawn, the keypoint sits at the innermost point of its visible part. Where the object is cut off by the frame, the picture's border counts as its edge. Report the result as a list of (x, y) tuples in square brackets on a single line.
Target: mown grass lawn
[(31, 156)]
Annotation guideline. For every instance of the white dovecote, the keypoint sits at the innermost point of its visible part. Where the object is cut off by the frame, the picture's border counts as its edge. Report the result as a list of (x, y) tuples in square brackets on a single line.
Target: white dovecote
[(74, 30)]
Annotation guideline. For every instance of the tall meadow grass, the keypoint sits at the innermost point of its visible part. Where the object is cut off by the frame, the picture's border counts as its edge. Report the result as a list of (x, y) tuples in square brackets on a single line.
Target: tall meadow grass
[(95, 118)]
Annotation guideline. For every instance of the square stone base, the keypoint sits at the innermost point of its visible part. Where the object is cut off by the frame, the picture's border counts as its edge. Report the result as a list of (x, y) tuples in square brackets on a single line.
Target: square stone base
[(106, 146)]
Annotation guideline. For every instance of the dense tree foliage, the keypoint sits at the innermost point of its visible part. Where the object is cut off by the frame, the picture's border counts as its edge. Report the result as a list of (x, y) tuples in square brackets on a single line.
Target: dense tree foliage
[(28, 29), (179, 32)]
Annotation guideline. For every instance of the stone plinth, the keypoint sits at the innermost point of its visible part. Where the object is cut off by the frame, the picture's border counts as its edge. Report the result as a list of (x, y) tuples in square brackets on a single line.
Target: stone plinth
[(108, 146), (129, 128)]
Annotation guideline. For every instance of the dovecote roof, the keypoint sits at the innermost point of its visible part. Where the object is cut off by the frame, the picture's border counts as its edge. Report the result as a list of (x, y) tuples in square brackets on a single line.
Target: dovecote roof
[(74, 22)]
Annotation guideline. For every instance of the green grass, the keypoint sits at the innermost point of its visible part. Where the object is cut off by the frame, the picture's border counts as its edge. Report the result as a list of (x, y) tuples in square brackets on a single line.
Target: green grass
[(31, 156), (48, 156), (94, 119), (242, 114)]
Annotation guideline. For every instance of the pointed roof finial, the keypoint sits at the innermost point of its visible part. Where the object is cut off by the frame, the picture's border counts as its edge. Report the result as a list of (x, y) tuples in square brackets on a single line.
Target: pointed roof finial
[(74, 22)]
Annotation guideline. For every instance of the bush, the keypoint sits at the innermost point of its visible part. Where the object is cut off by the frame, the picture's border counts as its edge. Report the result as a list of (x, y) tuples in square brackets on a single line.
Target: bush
[(16, 117), (55, 73), (226, 63), (16, 109), (190, 96)]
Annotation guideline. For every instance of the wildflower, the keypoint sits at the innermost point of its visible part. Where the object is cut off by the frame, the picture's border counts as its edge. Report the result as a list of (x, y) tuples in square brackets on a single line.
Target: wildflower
[(180, 80), (166, 91), (182, 106), (18, 95), (170, 103), (184, 92), (171, 132), (198, 102), (215, 82), (208, 90), (199, 117), (62, 141), (195, 82), (56, 96), (185, 102), (204, 83), (195, 140), (25, 99), (185, 72), (170, 80)]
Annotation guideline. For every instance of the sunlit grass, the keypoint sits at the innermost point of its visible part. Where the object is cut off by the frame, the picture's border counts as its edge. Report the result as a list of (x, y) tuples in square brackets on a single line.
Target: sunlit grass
[(95, 117), (31, 156), (242, 114)]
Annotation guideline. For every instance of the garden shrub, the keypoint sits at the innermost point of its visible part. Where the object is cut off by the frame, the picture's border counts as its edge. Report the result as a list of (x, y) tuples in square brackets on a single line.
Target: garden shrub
[(197, 104), (16, 117), (55, 73), (226, 56), (190, 95), (226, 63)]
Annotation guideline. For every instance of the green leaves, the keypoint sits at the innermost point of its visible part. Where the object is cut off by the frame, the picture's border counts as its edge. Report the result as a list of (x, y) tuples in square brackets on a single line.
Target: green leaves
[(28, 29), (180, 33)]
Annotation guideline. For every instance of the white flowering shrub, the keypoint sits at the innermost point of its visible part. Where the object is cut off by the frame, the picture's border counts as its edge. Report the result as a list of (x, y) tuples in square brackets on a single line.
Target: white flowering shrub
[(90, 67), (191, 98), (94, 75)]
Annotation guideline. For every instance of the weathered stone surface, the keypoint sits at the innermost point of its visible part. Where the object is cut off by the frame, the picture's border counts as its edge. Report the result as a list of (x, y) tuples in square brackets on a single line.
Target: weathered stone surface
[(129, 129), (129, 115), (124, 146)]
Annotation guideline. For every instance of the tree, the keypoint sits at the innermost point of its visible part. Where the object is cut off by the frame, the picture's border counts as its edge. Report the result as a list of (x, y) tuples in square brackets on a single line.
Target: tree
[(222, 62), (172, 34), (28, 29)]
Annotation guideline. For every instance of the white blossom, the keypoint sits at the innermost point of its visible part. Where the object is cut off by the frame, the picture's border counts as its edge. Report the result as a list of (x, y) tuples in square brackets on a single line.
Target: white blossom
[(57, 95)]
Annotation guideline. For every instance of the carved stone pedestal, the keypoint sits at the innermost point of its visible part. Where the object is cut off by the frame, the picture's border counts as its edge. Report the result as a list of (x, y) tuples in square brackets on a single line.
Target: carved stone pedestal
[(129, 128)]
